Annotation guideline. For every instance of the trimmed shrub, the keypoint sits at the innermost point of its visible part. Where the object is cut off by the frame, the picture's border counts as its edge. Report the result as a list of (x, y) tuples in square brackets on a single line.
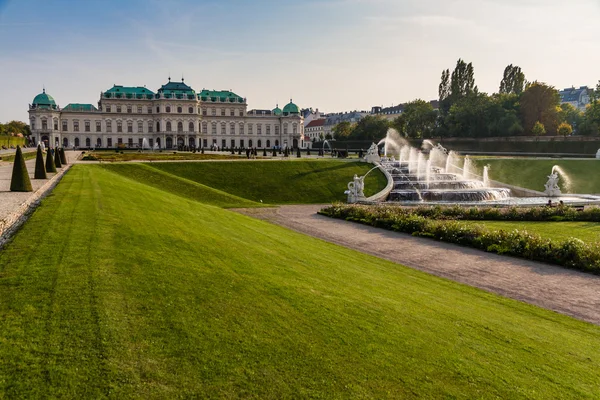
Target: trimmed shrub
[(40, 169), (50, 166), (20, 178), (265, 152), (57, 158), (63, 156), (274, 152), (298, 155)]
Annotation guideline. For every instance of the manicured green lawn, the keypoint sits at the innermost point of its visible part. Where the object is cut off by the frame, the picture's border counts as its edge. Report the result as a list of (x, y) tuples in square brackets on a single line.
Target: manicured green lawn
[(584, 175), (115, 288), (586, 231), (157, 156), (280, 182)]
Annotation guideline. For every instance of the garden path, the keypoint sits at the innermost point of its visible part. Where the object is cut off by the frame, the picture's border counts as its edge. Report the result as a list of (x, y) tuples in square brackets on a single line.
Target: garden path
[(562, 290)]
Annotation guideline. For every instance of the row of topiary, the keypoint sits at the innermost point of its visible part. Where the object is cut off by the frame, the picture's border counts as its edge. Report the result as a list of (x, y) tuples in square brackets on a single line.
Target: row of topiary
[(558, 213), (20, 181), (571, 253)]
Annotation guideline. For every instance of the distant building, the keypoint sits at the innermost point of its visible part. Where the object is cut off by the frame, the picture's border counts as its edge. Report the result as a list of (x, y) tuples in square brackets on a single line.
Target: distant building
[(309, 115), (315, 130), (578, 98), (391, 113), (333, 119)]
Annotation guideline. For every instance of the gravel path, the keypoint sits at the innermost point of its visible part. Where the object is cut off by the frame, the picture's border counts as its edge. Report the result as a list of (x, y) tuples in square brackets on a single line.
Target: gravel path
[(569, 292)]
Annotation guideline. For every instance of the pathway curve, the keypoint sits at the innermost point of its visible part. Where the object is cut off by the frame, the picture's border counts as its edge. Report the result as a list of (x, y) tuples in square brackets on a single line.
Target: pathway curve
[(569, 292)]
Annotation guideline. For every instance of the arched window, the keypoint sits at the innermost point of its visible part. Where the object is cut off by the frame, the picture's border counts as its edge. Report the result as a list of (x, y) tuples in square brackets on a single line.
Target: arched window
[(191, 110), (191, 127), (158, 127), (268, 143), (168, 109), (250, 143), (169, 126), (88, 142), (276, 142), (180, 126), (259, 144), (179, 110), (99, 142), (76, 142)]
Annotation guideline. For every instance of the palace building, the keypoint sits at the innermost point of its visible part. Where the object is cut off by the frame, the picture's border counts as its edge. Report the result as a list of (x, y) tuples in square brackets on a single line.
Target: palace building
[(174, 116)]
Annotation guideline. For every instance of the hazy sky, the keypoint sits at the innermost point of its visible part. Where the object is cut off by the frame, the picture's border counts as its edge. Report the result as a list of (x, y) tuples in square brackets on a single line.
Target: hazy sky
[(334, 55)]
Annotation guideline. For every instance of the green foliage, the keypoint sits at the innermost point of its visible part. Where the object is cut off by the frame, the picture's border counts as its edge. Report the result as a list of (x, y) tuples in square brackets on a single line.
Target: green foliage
[(14, 128), (538, 129), (418, 120), (513, 80), (174, 298), (20, 178), (57, 160), (370, 128), (564, 129), (571, 253), (540, 103), (342, 130), (570, 115), (10, 141), (63, 156), (40, 168), (50, 166)]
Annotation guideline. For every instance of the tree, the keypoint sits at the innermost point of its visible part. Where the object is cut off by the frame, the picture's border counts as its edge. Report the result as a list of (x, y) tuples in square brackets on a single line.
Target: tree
[(538, 129), (342, 130), (40, 169), (462, 81), (540, 103), (564, 129), (371, 127), (20, 178), (57, 162), (570, 115), (513, 80), (63, 156), (417, 120), (444, 87), (50, 166)]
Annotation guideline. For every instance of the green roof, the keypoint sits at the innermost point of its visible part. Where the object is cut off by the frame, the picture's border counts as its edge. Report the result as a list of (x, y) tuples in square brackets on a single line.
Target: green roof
[(178, 90), (79, 107), (221, 95), (129, 92), (291, 108), (277, 110), (44, 100)]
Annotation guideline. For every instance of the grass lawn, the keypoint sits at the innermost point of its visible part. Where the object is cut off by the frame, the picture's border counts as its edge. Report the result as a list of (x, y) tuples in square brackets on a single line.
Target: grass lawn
[(115, 288), (586, 231), (28, 154), (531, 173), (157, 156), (285, 182)]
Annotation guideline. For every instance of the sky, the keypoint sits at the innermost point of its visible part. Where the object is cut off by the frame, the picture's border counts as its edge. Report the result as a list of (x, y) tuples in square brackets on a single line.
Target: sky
[(334, 55)]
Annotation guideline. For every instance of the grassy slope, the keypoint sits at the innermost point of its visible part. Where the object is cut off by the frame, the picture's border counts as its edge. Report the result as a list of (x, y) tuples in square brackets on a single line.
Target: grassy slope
[(117, 288), (586, 231), (280, 182), (532, 173), (177, 185), (158, 156)]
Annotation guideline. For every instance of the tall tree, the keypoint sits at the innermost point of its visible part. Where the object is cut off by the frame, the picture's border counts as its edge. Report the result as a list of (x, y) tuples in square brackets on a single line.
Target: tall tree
[(513, 80), (342, 130), (417, 120), (370, 128), (462, 81), (444, 88), (540, 103)]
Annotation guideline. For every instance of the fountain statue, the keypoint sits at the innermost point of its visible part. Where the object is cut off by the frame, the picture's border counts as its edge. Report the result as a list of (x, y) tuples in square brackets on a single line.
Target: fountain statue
[(373, 154), (551, 186), (355, 189)]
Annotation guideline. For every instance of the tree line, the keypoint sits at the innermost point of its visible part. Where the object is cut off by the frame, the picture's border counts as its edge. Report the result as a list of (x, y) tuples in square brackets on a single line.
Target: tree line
[(15, 128), (518, 108)]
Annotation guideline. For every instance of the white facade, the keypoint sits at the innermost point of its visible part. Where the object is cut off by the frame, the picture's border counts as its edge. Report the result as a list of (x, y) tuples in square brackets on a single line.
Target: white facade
[(176, 116)]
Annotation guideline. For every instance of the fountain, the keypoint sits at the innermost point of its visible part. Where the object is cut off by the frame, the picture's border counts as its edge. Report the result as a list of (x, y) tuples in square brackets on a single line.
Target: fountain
[(145, 144)]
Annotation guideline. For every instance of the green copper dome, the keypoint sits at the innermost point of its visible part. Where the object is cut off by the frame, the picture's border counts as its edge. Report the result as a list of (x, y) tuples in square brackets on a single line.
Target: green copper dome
[(277, 110), (291, 108), (44, 100)]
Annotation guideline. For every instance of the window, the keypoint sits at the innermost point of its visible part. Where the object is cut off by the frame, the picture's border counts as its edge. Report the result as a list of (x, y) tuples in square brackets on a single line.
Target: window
[(157, 109), (119, 126), (268, 143), (180, 126), (179, 110), (191, 110), (140, 127), (98, 126), (158, 127), (205, 142), (120, 141), (268, 130), (168, 109), (108, 127), (141, 142), (223, 143), (87, 126), (109, 142), (259, 144), (241, 112), (213, 111), (150, 126), (250, 143), (223, 130), (276, 142), (118, 109), (285, 129), (214, 128), (232, 112), (169, 126), (232, 143), (55, 124), (241, 129), (129, 110), (130, 142), (44, 124), (139, 108), (241, 142), (222, 112), (98, 142), (107, 108), (232, 128), (149, 110), (204, 127), (250, 129), (191, 127), (204, 111), (294, 128), (259, 129), (76, 126), (277, 129)]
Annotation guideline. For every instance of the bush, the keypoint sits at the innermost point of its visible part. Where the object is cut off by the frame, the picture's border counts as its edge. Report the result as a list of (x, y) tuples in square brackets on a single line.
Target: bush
[(63, 156), (40, 169), (571, 253), (57, 158), (50, 166), (20, 178)]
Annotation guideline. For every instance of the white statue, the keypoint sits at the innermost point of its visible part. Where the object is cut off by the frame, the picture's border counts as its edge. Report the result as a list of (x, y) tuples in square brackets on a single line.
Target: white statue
[(551, 186), (373, 154), (598, 154), (355, 190)]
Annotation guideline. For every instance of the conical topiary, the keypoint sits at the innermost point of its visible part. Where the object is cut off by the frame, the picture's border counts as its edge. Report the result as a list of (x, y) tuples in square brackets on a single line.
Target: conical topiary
[(40, 169), (50, 167), (20, 178), (57, 158), (63, 156)]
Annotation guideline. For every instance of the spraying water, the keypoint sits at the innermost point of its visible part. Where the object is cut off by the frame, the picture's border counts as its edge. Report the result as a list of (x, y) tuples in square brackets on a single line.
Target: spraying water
[(563, 175), (392, 143), (486, 176), (467, 166)]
